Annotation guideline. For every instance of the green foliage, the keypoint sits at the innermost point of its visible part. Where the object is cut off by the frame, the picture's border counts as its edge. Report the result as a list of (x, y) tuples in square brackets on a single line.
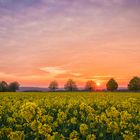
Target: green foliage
[(70, 85), (53, 86), (134, 84), (90, 86), (63, 116), (13, 86), (3, 86), (112, 85)]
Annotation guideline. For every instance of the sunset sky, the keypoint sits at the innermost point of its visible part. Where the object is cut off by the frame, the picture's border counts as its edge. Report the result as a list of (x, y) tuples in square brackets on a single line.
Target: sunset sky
[(43, 40)]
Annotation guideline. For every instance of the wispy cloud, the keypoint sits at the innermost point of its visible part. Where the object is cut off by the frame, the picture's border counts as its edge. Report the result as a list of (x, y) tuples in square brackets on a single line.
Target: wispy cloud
[(76, 74), (4, 75), (96, 80), (76, 38), (54, 71), (103, 76), (60, 71)]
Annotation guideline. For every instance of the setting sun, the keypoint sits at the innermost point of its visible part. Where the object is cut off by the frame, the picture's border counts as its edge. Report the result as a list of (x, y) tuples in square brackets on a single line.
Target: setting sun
[(56, 41), (70, 69), (98, 84)]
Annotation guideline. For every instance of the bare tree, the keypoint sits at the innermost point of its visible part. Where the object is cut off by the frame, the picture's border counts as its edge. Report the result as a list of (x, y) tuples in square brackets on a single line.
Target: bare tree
[(53, 86), (70, 85), (90, 85)]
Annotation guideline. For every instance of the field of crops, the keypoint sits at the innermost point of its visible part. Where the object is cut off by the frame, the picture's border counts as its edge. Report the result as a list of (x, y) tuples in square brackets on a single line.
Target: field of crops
[(75, 116)]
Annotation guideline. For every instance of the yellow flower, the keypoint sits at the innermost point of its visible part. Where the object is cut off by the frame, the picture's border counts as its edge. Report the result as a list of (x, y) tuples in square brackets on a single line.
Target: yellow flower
[(74, 135), (75, 112), (113, 127), (49, 118), (103, 117), (73, 120), (28, 110), (45, 129), (128, 137), (61, 115), (1, 108), (11, 120), (35, 125), (112, 112), (91, 137), (57, 136), (83, 129), (82, 106), (125, 116), (55, 124), (17, 135)]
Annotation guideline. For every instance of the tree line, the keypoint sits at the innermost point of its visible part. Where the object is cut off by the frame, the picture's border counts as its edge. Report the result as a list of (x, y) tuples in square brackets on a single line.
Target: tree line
[(11, 87), (112, 85)]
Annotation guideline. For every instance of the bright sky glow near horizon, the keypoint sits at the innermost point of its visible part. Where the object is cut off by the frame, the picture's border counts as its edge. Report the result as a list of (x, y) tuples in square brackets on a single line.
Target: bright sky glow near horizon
[(43, 40)]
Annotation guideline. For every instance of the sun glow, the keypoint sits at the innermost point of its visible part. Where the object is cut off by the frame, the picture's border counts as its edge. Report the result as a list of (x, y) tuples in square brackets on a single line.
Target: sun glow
[(98, 84)]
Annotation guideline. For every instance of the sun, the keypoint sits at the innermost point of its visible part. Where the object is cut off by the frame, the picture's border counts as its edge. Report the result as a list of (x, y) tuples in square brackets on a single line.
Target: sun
[(98, 84)]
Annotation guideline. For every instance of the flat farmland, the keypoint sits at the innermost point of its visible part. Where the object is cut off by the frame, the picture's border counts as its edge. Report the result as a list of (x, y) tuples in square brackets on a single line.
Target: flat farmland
[(69, 115)]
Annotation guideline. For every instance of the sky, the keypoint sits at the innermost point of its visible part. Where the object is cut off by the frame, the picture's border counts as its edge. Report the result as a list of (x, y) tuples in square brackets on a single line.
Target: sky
[(45, 40)]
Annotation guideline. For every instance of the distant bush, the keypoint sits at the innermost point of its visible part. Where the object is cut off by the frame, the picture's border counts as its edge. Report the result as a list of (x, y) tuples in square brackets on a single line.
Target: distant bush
[(112, 85), (70, 85), (3, 86), (53, 86), (90, 86), (12, 87), (134, 84)]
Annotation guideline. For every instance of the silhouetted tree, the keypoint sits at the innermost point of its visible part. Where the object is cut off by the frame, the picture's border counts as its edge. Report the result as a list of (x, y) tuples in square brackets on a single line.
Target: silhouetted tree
[(3, 86), (134, 84), (13, 86), (90, 86), (53, 86), (112, 85), (70, 85)]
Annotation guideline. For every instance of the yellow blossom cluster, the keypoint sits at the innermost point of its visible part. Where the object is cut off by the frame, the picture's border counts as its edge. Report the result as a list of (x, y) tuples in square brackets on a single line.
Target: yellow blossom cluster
[(69, 116)]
